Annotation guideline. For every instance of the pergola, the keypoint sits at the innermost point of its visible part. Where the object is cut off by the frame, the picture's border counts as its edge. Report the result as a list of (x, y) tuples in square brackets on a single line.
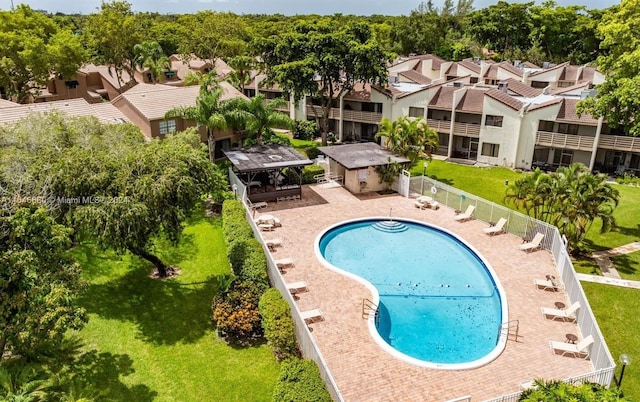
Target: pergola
[(270, 172)]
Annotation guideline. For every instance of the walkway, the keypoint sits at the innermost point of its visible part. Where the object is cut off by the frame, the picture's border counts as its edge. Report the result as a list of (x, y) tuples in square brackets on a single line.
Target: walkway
[(603, 258)]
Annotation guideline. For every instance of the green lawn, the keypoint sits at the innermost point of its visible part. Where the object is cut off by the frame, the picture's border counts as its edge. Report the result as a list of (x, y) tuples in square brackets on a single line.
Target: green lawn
[(628, 265), (619, 322), (153, 338)]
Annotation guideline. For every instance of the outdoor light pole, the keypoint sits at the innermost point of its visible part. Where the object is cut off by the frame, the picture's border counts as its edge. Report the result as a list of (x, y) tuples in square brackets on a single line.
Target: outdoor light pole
[(235, 189), (625, 359)]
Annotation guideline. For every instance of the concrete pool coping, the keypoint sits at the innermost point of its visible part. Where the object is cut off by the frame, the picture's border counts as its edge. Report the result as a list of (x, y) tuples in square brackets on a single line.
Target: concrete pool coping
[(365, 372)]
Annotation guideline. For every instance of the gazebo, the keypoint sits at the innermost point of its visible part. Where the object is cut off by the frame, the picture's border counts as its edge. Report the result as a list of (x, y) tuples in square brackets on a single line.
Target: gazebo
[(270, 172), (357, 163)]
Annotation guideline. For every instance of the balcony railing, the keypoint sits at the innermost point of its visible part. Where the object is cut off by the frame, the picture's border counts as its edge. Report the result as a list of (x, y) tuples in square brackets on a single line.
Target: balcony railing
[(619, 143), (441, 126), (567, 141), (348, 115), (466, 129)]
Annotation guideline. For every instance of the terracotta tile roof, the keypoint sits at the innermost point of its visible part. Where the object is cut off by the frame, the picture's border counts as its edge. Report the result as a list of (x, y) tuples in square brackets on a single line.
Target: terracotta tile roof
[(7, 103), (546, 70), (568, 113), (511, 68), (153, 101), (105, 112), (469, 65), (588, 74), (569, 73), (435, 60), (492, 72), (112, 79), (504, 99), (472, 101), (360, 92), (452, 70), (582, 85), (416, 77), (443, 99), (535, 106), (528, 64), (520, 88)]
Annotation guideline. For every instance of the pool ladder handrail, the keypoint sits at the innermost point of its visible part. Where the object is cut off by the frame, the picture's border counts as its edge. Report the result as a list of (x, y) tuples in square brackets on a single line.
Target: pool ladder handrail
[(369, 307), (511, 329)]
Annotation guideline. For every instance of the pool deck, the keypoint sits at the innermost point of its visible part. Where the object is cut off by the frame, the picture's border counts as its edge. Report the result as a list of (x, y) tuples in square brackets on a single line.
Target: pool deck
[(363, 371)]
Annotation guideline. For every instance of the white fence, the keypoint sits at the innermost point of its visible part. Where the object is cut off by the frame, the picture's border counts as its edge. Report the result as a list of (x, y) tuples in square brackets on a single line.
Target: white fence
[(308, 346), (526, 227)]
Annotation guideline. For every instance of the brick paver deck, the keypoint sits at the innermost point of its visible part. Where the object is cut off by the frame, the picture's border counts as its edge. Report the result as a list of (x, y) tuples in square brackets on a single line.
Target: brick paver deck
[(361, 369)]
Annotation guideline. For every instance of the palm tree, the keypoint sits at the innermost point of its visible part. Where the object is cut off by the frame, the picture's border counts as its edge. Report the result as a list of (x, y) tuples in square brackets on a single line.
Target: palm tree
[(150, 55), (208, 111), (22, 382), (555, 390), (409, 137), (241, 75), (257, 116)]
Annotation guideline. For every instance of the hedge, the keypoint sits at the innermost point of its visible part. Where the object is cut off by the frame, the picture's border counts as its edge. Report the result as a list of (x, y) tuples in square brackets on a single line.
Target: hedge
[(309, 172), (237, 233), (300, 381), (278, 325)]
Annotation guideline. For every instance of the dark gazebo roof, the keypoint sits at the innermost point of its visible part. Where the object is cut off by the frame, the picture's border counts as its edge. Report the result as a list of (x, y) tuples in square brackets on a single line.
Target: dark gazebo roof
[(362, 155), (265, 157)]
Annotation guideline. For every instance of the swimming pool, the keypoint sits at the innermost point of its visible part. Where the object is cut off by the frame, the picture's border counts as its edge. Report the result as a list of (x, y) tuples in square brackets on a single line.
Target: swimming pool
[(439, 303)]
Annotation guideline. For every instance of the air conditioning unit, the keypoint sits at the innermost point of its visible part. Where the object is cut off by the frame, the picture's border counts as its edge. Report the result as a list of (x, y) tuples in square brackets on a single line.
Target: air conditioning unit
[(503, 86)]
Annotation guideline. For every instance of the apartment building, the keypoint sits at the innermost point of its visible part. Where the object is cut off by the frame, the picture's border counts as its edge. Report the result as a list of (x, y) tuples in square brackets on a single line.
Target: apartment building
[(517, 115)]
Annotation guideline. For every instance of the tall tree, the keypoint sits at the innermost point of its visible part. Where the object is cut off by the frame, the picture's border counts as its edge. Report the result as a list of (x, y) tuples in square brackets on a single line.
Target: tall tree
[(323, 61), (32, 49), (39, 283), (241, 74), (409, 137), (257, 117), (111, 36), (150, 55), (503, 27), (617, 98)]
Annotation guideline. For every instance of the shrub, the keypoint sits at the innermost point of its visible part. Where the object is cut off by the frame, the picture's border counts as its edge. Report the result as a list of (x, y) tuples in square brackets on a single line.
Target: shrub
[(312, 152), (278, 325), (254, 267), (309, 172), (236, 314), (237, 233), (300, 380), (305, 130)]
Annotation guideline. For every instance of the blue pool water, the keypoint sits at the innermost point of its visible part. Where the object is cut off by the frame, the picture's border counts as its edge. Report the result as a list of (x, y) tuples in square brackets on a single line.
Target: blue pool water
[(438, 301)]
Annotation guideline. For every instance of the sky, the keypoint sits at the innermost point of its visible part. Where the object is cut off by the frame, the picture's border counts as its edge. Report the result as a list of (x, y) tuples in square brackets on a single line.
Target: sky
[(286, 7)]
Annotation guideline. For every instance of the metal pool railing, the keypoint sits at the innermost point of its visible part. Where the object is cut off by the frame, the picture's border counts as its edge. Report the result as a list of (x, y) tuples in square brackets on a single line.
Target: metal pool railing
[(526, 227)]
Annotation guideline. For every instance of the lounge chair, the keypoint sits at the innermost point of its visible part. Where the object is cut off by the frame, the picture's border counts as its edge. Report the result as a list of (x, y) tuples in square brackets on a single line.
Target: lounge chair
[(257, 205), (273, 243), (284, 263), (466, 215), (297, 287), (546, 284), (575, 350), (497, 229), (276, 222), (533, 244), (568, 314), (310, 316), (266, 227)]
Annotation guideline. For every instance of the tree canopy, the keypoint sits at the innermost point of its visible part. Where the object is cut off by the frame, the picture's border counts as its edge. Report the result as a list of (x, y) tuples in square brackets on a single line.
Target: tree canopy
[(323, 61), (409, 137), (32, 49), (617, 98)]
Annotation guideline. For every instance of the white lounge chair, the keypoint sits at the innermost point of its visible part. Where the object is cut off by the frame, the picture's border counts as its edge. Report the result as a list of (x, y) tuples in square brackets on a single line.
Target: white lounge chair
[(466, 215), (273, 243), (568, 314), (297, 287), (257, 205), (266, 227), (575, 350), (497, 229), (284, 263), (546, 284), (533, 244), (310, 316)]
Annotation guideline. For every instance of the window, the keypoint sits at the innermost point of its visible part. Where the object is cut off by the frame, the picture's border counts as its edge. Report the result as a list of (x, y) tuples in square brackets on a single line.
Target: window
[(167, 127), (416, 111), (566, 128), (545, 125), (473, 80), (72, 84), (539, 84), (490, 149), (492, 120)]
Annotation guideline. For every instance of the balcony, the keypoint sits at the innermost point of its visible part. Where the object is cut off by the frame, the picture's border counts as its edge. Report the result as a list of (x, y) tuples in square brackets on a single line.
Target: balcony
[(565, 141), (619, 143), (347, 115), (466, 129), (441, 126), (283, 108)]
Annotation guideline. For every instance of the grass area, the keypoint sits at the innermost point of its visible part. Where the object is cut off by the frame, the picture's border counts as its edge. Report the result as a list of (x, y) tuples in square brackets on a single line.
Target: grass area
[(586, 265), (154, 338), (488, 183), (619, 322), (628, 265)]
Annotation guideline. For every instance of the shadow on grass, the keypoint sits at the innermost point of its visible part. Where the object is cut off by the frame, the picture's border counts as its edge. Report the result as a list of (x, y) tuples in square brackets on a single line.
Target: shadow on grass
[(101, 372), (165, 311), (448, 182), (628, 231), (625, 264)]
